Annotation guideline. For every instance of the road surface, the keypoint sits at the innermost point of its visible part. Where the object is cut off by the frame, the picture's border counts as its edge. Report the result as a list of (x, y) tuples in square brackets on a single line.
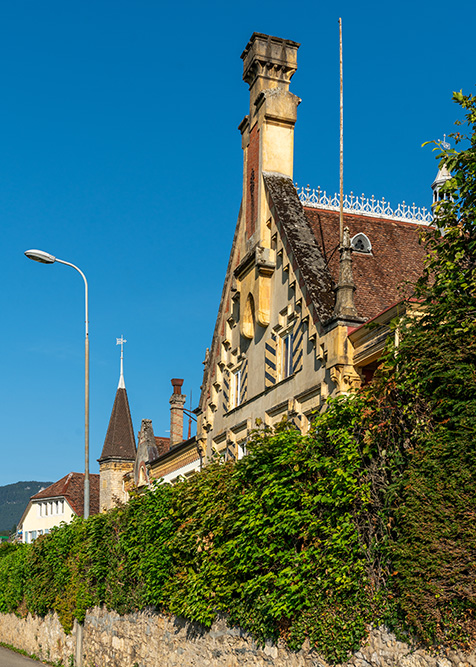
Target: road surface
[(11, 659)]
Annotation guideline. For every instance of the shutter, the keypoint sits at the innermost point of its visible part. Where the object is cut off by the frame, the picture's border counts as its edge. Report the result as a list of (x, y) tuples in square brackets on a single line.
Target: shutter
[(244, 382), (226, 389), (298, 339), (270, 361)]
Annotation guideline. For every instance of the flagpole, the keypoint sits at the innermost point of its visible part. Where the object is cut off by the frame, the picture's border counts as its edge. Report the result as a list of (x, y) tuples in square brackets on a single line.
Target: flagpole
[(341, 161)]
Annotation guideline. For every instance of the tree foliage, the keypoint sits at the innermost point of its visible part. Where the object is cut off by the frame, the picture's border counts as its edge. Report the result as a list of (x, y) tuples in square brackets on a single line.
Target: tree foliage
[(368, 518)]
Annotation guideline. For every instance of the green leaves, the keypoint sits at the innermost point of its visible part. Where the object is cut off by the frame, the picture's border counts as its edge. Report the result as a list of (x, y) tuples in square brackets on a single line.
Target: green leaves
[(368, 518)]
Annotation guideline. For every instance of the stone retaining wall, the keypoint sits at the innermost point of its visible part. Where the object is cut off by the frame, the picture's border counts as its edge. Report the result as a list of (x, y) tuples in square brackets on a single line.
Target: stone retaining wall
[(147, 639)]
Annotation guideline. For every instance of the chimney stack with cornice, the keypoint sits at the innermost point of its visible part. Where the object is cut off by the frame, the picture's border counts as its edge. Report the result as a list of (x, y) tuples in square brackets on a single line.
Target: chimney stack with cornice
[(177, 403), (268, 62), (268, 130)]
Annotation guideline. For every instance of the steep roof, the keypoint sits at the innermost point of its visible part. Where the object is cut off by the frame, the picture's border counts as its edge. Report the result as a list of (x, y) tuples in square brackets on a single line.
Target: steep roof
[(301, 245), (311, 238), (120, 441), (71, 487), (380, 276)]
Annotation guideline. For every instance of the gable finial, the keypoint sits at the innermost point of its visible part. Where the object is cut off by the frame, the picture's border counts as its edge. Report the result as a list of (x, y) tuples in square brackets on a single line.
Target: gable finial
[(120, 341), (344, 305)]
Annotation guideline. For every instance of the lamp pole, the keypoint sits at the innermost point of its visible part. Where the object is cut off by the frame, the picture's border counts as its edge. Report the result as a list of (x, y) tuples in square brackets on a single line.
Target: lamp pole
[(46, 258)]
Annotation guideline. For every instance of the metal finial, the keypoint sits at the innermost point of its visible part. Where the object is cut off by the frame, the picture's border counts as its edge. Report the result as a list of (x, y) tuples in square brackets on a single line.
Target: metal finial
[(120, 341), (444, 143)]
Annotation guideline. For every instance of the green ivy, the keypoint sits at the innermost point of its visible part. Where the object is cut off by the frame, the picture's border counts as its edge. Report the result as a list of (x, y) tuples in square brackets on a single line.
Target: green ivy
[(369, 518)]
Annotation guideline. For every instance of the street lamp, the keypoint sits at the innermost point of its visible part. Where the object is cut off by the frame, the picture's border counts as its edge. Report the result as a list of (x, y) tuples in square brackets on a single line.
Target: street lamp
[(46, 258)]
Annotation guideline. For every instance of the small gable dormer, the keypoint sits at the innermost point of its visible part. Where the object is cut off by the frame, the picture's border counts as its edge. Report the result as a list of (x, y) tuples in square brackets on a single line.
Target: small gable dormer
[(361, 243)]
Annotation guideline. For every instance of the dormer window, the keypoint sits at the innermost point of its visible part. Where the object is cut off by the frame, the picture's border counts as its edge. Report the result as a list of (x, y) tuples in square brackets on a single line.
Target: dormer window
[(361, 243)]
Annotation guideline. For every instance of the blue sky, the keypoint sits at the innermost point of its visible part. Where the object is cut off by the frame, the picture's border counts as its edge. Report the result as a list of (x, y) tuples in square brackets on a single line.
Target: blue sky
[(120, 153)]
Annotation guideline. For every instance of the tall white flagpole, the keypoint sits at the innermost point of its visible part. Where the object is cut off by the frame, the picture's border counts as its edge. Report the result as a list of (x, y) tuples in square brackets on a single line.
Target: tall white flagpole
[(341, 161)]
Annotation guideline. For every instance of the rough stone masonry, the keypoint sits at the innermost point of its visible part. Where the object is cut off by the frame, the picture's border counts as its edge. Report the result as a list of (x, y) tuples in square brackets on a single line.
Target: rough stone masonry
[(147, 639)]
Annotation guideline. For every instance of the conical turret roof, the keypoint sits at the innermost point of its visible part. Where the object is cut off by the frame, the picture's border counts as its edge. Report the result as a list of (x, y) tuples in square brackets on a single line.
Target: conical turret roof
[(442, 176), (120, 441)]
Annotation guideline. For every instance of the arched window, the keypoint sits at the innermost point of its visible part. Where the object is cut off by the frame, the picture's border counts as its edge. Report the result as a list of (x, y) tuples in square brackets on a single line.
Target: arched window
[(361, 243)]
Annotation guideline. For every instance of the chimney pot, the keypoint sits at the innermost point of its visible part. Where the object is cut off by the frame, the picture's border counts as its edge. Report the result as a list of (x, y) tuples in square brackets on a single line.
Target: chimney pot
[(177, 385)]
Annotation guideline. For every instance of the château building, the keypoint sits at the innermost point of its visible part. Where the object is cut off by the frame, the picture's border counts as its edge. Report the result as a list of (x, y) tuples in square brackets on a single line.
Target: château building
[(298, 294), (291, 325)]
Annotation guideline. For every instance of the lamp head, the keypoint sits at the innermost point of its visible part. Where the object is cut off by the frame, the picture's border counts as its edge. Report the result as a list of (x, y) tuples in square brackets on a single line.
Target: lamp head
[(40, 256)]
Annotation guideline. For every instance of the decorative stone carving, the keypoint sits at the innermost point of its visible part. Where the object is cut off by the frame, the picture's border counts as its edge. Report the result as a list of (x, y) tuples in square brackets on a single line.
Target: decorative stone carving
[(346, 378)]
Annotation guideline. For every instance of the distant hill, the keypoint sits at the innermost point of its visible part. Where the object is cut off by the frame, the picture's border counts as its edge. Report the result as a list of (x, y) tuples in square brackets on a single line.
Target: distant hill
[(14, 499)]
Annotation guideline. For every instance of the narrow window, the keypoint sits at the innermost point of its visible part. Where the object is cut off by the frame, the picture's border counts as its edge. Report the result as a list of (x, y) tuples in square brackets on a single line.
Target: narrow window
[(287, 356), (241, 450), (235, 389)]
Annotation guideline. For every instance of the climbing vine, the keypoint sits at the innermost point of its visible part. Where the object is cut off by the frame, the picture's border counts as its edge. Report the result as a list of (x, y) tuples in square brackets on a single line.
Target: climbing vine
[(369, 518)]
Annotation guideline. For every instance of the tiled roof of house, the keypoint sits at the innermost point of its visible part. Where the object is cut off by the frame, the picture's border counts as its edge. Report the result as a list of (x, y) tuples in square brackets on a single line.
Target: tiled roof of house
[(379, 276), (171, 451), (71, 487), (163, 445), (120, 441), (311, 238)]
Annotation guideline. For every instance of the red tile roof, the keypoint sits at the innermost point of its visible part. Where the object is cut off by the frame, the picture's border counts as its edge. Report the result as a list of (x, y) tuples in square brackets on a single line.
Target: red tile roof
[(71, 487), (311, 239), (396, 257), (163, 445)]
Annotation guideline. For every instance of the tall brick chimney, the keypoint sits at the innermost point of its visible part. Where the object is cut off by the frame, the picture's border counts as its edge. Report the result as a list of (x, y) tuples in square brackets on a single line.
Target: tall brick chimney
[(177, 402)]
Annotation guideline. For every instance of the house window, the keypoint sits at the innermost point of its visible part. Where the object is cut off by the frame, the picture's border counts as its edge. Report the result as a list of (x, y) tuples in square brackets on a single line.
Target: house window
[(235, 388), (286, 355), (240, 449)]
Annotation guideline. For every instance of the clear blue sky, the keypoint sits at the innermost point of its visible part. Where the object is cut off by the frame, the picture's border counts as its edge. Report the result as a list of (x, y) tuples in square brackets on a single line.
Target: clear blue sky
[(120, 153)]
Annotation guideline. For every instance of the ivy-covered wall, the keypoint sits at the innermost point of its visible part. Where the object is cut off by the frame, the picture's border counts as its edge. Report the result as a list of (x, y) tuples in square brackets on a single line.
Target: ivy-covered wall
[(368, 519)]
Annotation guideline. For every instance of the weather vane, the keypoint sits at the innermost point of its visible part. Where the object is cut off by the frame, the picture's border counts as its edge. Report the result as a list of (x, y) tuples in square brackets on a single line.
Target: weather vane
[(445, 144), (120, 341)]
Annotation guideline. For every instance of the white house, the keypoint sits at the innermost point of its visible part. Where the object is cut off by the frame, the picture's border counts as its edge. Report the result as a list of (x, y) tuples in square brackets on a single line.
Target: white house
[(58, 503)]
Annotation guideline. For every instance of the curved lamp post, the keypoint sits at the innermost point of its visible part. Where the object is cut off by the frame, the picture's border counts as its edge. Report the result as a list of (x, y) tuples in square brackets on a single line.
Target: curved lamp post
[(46, 258)]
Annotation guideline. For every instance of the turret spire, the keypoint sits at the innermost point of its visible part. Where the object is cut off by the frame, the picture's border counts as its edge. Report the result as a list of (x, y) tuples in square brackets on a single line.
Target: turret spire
[(120, 341)]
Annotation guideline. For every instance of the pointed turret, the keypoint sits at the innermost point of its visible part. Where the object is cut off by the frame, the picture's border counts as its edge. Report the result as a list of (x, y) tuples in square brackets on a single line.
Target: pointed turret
[(442, 176), (119, 449), (120, 441)]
